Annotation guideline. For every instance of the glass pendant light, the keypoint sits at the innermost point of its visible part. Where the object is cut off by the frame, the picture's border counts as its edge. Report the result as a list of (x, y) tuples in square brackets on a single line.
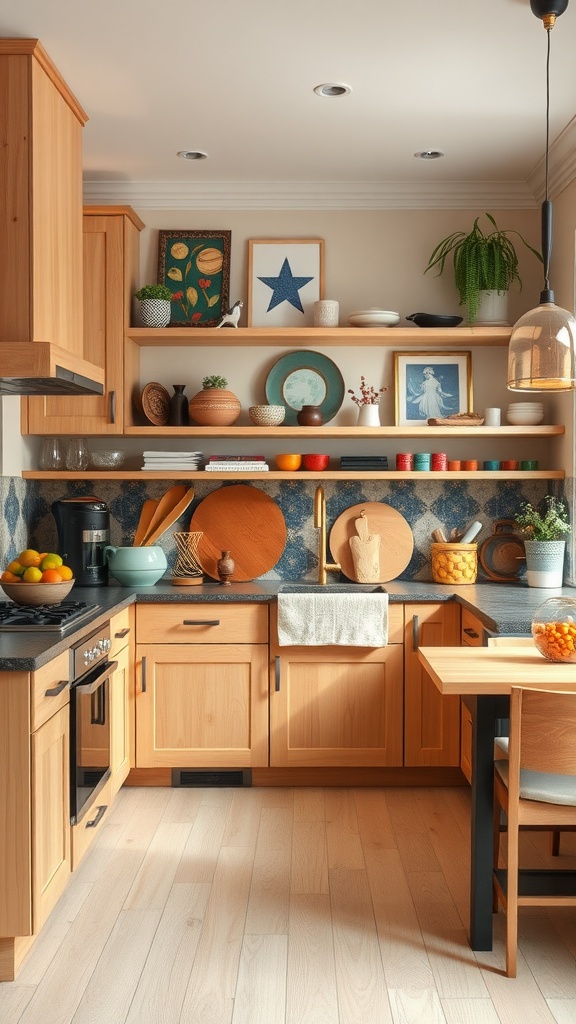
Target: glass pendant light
[(542, 352)]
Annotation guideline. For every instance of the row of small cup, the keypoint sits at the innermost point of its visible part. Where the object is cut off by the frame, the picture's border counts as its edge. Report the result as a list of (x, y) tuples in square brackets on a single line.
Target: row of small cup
[(424, 461)]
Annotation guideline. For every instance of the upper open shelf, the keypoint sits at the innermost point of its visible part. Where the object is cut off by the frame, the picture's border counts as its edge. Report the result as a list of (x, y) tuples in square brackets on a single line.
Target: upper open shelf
[(296, 337)]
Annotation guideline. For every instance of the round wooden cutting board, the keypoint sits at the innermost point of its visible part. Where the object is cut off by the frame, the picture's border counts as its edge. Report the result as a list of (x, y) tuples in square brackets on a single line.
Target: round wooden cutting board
[(396, 545), (244, 521)]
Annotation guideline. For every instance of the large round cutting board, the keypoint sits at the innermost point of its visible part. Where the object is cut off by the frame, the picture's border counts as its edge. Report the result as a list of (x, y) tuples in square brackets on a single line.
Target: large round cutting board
[(244, 521), (396, 545)]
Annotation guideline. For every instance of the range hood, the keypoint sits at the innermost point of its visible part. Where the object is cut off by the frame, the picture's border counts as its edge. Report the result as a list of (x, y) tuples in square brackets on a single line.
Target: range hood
[(40, 368)]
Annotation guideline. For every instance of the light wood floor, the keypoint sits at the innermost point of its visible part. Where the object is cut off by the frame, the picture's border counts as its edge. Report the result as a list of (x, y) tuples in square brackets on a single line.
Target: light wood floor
[(288, 906)]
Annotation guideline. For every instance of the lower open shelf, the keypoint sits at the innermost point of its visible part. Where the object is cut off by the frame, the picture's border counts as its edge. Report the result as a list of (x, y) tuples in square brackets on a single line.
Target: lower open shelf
[(274, 474)]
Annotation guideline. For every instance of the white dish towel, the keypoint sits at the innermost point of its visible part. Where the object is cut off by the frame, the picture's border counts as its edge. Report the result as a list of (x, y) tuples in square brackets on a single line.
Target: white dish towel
[(319, 620)]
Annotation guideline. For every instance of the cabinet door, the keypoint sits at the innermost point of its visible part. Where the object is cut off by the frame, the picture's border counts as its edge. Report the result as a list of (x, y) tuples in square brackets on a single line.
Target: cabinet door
[(336, 706), (431, 721), (120, 693), (201, 705), (110, 274), (472, 632), (50, 814)]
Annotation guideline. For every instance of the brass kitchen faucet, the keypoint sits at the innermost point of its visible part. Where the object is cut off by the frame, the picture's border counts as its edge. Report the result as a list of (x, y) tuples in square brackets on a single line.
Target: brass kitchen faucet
[(320, 524)]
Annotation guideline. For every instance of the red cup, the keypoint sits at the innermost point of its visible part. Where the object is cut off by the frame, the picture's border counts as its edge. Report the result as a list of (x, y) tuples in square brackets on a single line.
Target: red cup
[(509, 464), (316, 462), (405, 461), (439, 460)]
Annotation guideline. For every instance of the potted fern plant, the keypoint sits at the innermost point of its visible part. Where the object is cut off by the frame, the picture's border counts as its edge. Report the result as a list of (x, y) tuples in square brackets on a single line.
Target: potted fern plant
[(483, 263), (214, 406), (543, 529), (155, 305)]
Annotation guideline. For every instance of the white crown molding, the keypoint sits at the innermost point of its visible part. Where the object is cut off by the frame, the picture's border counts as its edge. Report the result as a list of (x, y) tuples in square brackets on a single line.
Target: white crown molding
[(330, 195), (562, 165)]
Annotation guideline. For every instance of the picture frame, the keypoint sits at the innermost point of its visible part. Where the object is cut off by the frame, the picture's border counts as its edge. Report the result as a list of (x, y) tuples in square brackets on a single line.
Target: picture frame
[(285, 279), (431, 385), (195, 265)]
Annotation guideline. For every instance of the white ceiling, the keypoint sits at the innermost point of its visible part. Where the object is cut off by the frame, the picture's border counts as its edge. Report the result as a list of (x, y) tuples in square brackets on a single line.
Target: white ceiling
[(235, 78)]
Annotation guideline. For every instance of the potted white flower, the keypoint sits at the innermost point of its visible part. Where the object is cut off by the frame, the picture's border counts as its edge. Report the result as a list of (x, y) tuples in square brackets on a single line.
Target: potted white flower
[(543, 529)]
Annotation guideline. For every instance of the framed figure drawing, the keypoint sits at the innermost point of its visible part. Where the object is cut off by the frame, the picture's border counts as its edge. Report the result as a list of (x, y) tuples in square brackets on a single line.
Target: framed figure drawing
[(285, 279), (431, 385), (195, 265)]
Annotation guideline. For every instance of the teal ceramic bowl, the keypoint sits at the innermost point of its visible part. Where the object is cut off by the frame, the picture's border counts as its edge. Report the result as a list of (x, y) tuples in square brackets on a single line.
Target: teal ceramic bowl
[(136, 567)]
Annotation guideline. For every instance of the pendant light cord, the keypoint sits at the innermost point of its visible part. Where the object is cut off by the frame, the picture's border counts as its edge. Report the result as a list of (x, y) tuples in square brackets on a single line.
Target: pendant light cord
[(547, 295)]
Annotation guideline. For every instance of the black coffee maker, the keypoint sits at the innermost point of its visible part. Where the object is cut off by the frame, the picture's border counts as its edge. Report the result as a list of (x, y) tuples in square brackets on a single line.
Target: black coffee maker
[(83, 526)]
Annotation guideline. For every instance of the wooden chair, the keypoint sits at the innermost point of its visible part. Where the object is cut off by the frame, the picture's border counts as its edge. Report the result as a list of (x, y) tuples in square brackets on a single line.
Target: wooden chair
[(534, 787)]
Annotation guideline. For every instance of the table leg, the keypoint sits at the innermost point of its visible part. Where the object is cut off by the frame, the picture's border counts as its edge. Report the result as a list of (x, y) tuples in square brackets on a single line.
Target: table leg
[(483, 727)]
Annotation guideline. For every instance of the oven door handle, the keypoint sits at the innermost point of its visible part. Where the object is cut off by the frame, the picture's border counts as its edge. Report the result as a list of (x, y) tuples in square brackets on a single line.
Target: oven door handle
[(92, 685)]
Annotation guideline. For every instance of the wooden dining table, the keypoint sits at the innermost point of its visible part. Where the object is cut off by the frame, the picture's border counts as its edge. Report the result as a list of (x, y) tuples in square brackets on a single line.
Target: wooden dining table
[(484, 677)]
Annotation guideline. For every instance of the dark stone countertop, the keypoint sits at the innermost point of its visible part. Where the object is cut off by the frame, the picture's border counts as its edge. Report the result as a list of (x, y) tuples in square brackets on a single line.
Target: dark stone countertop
[(503, 608)]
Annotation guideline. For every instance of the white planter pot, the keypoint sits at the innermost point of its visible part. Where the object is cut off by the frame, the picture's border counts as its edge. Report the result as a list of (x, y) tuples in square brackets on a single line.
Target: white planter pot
[(493, 309), (155, 312), (545, 562), (368, 416)]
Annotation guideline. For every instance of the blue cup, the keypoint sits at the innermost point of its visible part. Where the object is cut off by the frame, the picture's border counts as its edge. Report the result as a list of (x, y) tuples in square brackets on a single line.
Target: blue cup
[(491, 464), (422, 460)]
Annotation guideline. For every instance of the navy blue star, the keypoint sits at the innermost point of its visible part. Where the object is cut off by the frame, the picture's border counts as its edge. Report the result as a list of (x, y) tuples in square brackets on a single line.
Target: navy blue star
[(285, 287)]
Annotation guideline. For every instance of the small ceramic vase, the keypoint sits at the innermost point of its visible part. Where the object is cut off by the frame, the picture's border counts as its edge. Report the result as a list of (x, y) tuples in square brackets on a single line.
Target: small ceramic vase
[(225, 566), (310, 416), (368, 416), (178, 412)]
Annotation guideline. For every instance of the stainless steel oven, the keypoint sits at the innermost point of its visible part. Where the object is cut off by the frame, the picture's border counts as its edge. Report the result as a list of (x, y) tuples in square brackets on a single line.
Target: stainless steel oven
[(89, 721)]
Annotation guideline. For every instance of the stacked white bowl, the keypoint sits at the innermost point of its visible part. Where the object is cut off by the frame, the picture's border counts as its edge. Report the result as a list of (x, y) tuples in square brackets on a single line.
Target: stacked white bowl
[(525, 414)]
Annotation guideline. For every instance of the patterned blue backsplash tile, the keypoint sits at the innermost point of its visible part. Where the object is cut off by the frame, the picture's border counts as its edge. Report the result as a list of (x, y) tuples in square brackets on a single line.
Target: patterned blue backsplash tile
[(426, 505)]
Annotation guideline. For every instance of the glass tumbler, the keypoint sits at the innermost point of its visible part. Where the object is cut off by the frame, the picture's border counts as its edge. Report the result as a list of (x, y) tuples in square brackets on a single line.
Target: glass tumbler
[(77, 454), (51, 456)]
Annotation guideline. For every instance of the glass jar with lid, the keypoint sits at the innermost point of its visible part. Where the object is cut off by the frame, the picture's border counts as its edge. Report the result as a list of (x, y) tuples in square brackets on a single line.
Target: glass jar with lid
[(554, 629)]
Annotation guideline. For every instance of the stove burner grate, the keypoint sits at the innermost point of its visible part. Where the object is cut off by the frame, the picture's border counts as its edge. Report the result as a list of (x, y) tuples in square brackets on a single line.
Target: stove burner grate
[(45, 617)]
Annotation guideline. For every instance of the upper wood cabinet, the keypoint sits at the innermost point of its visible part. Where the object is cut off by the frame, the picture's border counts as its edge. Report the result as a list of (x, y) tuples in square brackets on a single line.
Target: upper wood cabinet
[(111, 268)]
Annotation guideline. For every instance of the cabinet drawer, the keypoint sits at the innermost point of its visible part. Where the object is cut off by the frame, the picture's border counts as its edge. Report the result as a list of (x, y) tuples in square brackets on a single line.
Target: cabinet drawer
[(50, 677), (202, 623), (472, 630), (120, 628)]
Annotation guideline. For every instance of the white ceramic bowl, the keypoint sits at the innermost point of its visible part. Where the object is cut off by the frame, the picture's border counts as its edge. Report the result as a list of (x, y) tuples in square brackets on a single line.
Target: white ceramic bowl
[(103, 459), (524, 417), (35, 594), (267, 415), (374, 318)]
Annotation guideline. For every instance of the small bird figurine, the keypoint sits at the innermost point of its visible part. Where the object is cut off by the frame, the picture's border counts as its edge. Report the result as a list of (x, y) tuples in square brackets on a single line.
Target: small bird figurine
[(232, 316)]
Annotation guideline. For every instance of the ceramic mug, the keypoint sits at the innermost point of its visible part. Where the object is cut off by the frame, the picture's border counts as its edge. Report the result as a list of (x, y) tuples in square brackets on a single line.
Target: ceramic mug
[(492, 417)]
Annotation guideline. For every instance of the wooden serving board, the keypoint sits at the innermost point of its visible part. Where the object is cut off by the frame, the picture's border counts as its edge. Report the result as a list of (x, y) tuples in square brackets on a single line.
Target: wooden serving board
[(396, 545), (244, 521)]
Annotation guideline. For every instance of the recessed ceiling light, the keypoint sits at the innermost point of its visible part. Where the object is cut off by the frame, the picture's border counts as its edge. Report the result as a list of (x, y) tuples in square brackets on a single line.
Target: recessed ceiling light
[(332, 89), (193, 154), (429, 154)]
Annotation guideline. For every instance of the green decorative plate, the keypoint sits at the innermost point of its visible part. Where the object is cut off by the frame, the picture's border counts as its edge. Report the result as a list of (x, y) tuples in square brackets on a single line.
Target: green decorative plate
[(305, 378)]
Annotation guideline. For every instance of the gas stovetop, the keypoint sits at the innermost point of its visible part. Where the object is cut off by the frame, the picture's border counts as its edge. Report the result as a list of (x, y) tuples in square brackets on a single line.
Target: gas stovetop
[(56, 618)]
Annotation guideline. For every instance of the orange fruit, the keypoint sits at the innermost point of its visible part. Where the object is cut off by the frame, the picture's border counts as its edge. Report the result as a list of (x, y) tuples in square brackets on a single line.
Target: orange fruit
[(29, 557), (32, 574), (9, 577), (65, 572), (15, 568), (50, 561), (51, 576)]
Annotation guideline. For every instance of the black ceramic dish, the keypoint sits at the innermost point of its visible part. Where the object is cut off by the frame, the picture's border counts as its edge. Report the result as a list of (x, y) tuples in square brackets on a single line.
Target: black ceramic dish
[(434, 320)]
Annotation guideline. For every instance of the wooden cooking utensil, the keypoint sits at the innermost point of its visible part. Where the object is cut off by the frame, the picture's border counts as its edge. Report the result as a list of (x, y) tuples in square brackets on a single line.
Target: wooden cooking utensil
[(148, 509), (396, 539), (168, 520), (164, 506), (365, 550)]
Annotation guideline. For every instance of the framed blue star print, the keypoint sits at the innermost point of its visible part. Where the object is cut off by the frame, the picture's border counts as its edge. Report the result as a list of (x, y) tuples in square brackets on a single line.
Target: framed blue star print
[(285, 279)]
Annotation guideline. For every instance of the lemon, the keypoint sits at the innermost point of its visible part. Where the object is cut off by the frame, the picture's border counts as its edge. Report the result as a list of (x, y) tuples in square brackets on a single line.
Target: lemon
[(32, 574), (50, 561)]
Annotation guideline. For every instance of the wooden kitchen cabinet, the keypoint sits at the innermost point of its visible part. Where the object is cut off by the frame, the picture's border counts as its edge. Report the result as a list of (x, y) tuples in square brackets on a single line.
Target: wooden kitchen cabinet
[(111, 247), (337, 706), (431, 721), (201, 685), (121, 698), (34, 804)]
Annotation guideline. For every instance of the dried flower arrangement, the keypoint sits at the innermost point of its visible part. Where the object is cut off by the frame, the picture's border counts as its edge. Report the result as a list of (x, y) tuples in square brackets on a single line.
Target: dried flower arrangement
[(368, 395)]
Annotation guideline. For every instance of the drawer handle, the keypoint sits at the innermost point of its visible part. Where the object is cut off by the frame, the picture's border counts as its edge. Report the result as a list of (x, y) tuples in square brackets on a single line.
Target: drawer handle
[(101, 811), (471, 632), (201, 622), (415, 632), (143, 690), (277, 673), (55, 690), (122, 633)]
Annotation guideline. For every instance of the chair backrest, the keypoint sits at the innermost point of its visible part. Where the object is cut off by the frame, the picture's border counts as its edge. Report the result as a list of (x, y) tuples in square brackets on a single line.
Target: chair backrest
[(510, 641), (543, 731)]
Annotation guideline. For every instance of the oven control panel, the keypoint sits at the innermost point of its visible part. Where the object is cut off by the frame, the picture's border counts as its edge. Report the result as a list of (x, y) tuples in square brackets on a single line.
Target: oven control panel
[(90, 650)]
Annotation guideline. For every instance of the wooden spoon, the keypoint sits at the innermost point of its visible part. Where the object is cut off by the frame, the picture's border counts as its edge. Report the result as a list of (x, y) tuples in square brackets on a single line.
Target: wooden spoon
[(148, 509), (168, 520), (164, 506)]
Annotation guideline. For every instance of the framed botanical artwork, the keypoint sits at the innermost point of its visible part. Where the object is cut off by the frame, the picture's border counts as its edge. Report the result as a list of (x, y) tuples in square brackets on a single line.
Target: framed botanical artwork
[(285, 279), (431, 385), (195, 265)]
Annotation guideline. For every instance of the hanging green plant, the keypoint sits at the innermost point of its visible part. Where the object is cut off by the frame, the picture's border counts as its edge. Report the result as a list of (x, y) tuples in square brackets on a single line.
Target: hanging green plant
[(481, 262)]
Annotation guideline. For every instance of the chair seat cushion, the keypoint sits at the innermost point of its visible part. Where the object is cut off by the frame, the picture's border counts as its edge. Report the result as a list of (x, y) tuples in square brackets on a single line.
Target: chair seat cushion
[(542, 786)]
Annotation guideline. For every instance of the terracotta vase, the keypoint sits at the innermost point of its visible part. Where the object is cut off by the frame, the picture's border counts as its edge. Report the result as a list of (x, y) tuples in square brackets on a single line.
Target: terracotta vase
[(310, 416), (214, 407), (226, 566)]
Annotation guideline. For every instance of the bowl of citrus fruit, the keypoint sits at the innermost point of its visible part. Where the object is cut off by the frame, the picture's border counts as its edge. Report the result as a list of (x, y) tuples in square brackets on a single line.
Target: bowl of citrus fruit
[(37, 577)]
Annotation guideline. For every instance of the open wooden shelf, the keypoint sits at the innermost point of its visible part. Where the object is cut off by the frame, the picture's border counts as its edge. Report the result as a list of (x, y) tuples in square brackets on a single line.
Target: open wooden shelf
[(299, 337), (328, 432), (275, 474)]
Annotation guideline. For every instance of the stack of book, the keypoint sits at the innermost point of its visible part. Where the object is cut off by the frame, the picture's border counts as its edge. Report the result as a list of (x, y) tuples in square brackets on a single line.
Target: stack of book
[(363, 462), (236, 464), (172, 460)]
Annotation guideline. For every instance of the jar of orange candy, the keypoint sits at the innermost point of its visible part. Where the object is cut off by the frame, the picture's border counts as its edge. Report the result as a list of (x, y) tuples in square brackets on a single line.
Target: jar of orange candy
[(554, 629)]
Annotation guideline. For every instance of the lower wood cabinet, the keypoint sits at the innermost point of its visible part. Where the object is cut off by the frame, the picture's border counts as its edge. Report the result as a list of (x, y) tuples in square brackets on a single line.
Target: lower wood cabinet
[(431, 721), (337, 706), (121, 698), (202, 686), (51, 862)]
